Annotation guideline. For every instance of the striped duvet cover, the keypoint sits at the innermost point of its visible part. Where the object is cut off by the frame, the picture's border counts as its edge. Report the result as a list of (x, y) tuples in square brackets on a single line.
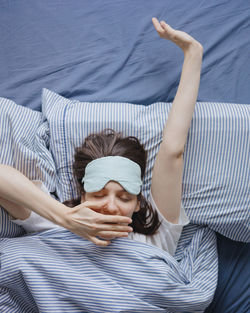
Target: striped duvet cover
[(216, 174), (57, 271)]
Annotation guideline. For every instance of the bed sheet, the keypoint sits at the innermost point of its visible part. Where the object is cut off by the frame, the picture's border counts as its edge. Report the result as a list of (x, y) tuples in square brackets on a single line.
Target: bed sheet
[(109, 50)]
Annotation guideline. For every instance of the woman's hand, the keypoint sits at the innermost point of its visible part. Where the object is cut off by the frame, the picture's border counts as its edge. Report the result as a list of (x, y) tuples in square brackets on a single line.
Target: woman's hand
[(84, 221), (180, 38)]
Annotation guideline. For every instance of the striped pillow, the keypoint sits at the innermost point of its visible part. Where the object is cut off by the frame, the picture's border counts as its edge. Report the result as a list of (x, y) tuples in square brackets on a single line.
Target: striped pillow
[(216, 159), (23, 145)]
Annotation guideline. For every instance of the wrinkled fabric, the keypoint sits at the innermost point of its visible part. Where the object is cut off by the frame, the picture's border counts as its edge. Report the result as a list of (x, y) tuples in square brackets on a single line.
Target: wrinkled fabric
[(57, 271), (93, 50)]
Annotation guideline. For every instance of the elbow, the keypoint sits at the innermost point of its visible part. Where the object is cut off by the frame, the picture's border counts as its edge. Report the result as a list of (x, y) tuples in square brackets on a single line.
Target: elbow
[(174, 152), (5, 166), (173, 148), (179, 154)]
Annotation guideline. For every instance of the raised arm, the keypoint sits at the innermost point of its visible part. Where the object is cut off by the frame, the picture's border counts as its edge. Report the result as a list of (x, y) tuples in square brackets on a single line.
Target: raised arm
[(166, 184), (15, 188)]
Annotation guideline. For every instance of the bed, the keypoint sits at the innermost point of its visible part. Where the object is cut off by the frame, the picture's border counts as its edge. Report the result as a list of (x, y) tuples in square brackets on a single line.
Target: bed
[(91, 51)]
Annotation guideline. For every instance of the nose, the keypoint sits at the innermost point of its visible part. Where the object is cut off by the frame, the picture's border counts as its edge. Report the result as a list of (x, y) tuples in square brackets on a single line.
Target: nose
[(111, 207)]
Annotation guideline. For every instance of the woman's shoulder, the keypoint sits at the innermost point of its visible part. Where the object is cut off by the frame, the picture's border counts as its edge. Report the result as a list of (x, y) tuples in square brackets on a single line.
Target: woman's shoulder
[(167, 235)]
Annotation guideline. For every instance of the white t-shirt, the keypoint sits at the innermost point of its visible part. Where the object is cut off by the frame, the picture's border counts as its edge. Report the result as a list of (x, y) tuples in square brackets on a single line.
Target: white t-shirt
[(36, 223), (166, 237)]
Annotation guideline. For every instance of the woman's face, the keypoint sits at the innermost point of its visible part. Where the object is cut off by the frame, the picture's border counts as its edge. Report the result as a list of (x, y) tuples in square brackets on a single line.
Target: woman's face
[(117, 201)]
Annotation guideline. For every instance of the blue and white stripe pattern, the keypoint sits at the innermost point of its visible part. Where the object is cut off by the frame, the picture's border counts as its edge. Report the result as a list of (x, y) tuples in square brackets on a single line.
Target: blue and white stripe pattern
[(57, 271), (216, 180), (24, 140)]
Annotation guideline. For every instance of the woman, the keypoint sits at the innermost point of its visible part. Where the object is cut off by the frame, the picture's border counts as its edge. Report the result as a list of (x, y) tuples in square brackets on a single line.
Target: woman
[(119, 200)]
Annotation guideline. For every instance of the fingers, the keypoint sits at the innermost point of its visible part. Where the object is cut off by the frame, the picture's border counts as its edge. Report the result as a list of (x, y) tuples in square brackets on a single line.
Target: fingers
[(99, 242), (114, 227), (115, 219), (164, 30), (95, 229), (94, 204), (161, 26), (183, 40), (103, 224), (111, 234), (105, 238), (166, 27), (157, 25), (104, 218)]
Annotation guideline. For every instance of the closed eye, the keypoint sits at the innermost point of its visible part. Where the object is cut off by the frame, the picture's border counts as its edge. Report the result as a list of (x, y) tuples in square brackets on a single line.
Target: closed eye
[(125, 199)]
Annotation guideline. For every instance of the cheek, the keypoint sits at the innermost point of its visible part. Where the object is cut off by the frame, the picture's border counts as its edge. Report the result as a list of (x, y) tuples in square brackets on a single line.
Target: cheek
[(128, 209)]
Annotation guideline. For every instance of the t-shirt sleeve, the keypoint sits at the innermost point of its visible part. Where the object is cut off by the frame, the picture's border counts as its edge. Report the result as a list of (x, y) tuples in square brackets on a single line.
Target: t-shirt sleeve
[(168, 234)]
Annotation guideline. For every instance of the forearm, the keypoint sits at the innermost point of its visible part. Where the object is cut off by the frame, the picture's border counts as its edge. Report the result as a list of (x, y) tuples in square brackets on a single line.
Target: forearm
[(17, 188), (180, 116)]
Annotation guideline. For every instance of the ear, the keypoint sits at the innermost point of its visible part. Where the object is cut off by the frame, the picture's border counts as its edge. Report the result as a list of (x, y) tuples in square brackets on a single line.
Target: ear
[(137, 208)]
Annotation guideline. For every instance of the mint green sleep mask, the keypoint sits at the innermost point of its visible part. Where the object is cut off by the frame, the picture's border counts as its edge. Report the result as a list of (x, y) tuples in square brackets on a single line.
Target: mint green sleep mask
[(119, 169)]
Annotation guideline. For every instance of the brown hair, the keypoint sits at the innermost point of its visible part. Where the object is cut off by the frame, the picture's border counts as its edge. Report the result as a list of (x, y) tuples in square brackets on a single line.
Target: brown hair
[(110, 143)]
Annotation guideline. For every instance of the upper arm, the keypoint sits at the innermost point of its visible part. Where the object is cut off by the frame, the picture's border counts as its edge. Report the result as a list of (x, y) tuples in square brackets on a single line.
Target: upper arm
[(16, 210), (166, 186)]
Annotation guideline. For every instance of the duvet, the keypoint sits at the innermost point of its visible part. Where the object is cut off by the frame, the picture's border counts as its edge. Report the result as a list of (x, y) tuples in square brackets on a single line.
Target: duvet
[(57, 271)]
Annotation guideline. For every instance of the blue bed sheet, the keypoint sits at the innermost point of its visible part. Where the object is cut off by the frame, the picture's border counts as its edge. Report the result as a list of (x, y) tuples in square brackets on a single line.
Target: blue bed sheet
[(232, 293), (109, 50)]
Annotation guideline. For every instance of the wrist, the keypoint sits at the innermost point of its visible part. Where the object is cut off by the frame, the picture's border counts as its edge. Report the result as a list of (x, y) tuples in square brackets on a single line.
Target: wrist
[(47, 207), (58, 214), (195, 49)]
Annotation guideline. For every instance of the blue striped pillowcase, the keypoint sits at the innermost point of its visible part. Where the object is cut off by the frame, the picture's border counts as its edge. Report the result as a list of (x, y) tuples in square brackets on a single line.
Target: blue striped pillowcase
[(24, 140), (216, 159)]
